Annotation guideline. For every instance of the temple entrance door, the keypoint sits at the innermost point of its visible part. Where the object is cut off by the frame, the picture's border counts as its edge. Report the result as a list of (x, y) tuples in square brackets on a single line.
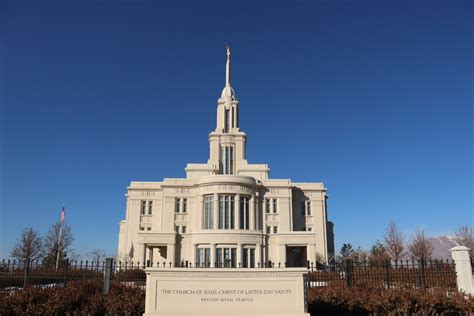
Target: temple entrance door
[(296, 256), (157, 254)]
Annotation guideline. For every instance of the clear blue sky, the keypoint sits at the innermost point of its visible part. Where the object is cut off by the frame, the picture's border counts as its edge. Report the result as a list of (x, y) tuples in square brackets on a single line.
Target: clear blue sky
[(373, 98)]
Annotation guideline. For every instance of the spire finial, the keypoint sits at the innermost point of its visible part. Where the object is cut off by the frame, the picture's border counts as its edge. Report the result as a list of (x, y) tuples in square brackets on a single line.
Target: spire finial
[(227, 72)]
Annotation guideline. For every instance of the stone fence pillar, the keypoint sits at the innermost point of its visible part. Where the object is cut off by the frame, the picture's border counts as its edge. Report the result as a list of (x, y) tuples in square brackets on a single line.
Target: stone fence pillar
[(460, 255)]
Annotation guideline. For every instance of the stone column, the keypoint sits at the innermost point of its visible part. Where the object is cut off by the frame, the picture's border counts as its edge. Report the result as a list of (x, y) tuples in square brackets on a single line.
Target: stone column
[(264, 254), (282, 258), (264, 214), (237, 211), (181, 205), (252, 213), (240, 264), (258, 212), (460, 255), (195, 259), (150, 255), (144, 254), (234, 116), (170, 255), (258, 256), (311, 254), (213, 255), (216, 211), (199, 214), (290, 213)]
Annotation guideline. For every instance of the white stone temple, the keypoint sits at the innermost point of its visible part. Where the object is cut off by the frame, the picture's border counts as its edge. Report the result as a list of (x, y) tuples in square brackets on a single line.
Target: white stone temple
[(226, 212)]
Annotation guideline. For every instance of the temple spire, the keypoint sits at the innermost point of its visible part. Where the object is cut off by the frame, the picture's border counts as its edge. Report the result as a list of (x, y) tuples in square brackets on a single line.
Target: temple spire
[(227, 70), (228, 92)]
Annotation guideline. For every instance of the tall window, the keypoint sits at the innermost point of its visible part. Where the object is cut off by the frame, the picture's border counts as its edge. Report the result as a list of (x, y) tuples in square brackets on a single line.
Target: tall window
[(143, 208), (150, 207), (233, 118), (203, 257), (244, 213), (177, 205), (208, 212), (275, 206), (185, 205), (226, 212), (227, 121), (248, 258), (226, 257), (306, 208), (227, 162), (267, 205), (181, 205)]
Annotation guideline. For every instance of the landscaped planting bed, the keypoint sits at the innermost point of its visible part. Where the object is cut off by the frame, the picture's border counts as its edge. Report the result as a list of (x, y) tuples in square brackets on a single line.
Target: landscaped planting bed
[(369, 300)]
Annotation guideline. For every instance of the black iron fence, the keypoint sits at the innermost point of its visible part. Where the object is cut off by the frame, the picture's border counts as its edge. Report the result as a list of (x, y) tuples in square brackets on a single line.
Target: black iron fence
[(388, 274), (18, 274), (15, 275)]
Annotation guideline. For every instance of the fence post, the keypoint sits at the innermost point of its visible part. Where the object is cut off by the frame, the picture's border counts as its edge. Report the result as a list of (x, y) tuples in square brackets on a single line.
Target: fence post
[(26, 272), (349, 272), (423, 273), (387, 272), (462, 263), (107, 274), (66, 271)]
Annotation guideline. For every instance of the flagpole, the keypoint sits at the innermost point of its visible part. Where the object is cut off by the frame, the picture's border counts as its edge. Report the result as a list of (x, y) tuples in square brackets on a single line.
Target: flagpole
[(62, 217), (59, 245)]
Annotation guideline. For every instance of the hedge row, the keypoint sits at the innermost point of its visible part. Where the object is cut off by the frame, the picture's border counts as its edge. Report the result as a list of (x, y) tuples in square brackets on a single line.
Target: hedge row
[(86, 298), (365, 300), (78, 298)]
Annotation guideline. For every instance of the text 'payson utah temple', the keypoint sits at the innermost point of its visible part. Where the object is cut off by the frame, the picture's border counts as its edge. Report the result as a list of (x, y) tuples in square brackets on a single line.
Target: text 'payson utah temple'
[(226, 212)]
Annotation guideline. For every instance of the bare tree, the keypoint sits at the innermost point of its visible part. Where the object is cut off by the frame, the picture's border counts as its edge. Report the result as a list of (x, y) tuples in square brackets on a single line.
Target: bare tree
[(359, 256), (73, 256), (465, 238), (57, 244), (420, 247), (394, 242), (28, 246), (97, 255)]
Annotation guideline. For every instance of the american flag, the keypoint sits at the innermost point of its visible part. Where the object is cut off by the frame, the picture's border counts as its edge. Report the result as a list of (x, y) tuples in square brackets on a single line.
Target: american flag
[(63, 215)]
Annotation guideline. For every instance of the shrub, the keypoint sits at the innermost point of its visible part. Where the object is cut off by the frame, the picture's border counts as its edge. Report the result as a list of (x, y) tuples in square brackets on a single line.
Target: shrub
[(78, 298), (379, 300), (124, 300)]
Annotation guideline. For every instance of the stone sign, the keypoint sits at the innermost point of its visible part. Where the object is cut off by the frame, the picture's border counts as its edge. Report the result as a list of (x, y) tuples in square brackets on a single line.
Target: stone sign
[(214, 291)]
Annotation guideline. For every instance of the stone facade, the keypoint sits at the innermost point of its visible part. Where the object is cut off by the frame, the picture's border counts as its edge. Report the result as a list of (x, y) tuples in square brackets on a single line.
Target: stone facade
[(226, 212)]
